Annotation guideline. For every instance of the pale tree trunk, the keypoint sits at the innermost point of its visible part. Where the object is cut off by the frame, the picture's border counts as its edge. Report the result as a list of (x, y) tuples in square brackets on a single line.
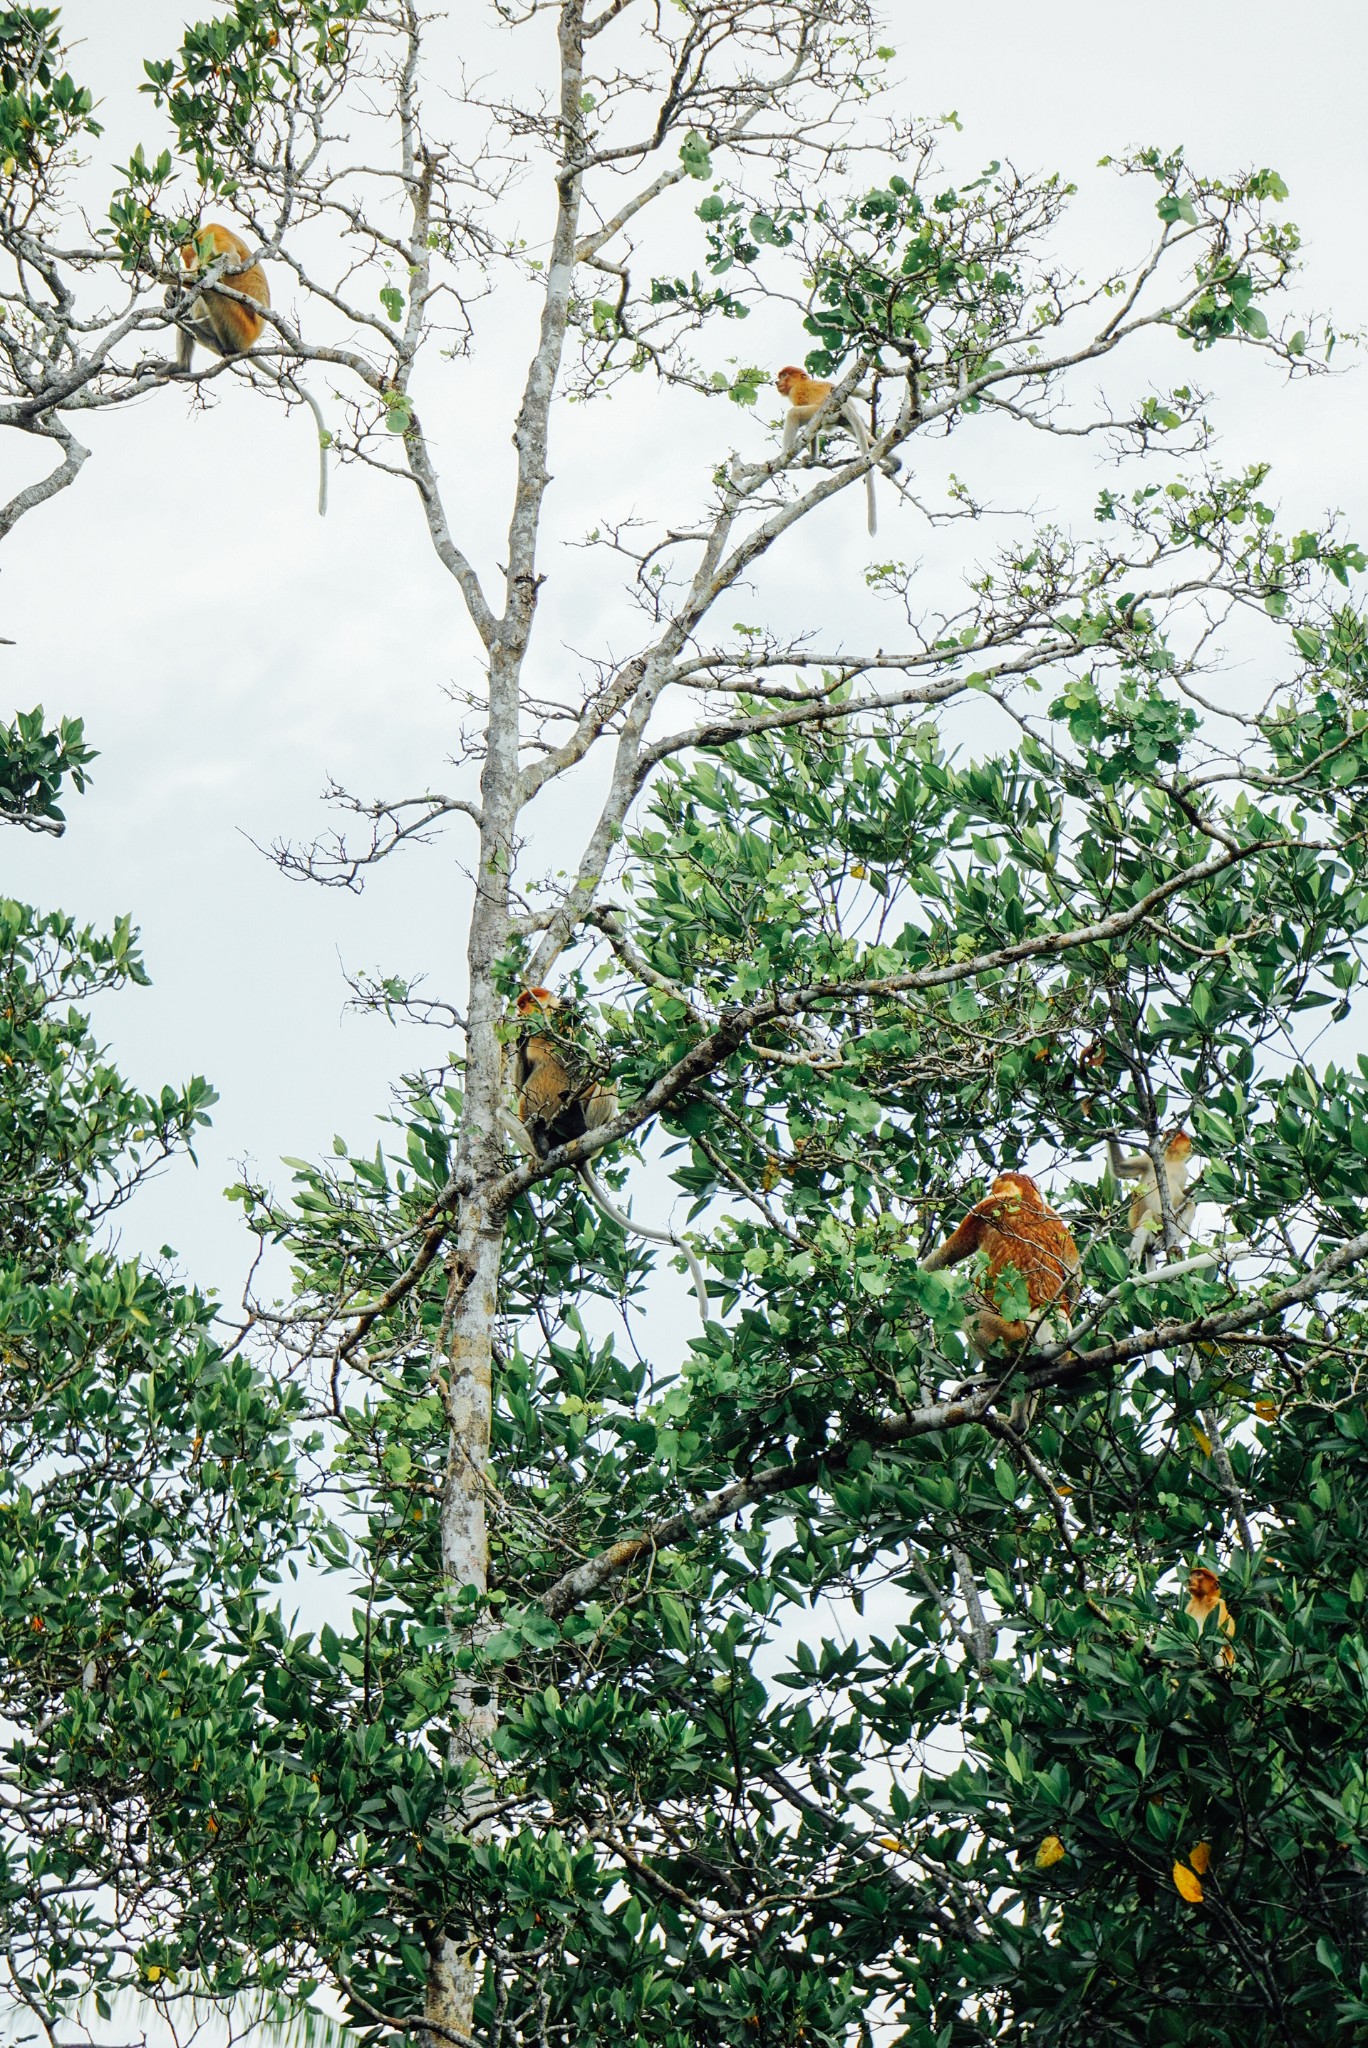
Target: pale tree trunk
[(455, 1965)]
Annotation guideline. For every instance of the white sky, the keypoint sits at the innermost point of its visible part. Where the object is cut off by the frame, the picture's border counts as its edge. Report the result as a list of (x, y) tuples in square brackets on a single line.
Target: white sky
[(228, 650)]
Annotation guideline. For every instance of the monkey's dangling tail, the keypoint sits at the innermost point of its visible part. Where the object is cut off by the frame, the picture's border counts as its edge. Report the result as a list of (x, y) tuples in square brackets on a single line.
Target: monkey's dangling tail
[(324, 443), (851, 413), (521, 1137), (615, 1215)]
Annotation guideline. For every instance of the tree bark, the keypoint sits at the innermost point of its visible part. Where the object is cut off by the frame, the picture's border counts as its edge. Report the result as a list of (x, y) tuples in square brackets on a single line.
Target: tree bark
[(455, 1967)]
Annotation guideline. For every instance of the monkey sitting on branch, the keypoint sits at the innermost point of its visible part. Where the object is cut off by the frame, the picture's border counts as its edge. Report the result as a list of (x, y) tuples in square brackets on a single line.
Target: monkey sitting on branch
[(1204, 1600), (1018, 1233), (220, 318), (560, 1097), (1022, 1240), (808, 399)]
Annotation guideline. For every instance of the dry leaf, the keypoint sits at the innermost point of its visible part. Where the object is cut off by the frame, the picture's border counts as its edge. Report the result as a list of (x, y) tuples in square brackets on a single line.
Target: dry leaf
[(1199, 1856), (1189, 1885), (1051, 1851)]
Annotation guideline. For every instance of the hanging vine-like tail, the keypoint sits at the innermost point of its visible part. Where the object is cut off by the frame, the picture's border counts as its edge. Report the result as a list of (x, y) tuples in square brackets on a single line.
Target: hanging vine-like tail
[(615, 1215), (607, 1207), (324, 438)]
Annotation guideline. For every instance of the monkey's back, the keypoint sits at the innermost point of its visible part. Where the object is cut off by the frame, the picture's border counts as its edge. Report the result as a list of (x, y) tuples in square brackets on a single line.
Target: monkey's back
[(1034, 1242), (236, 325)]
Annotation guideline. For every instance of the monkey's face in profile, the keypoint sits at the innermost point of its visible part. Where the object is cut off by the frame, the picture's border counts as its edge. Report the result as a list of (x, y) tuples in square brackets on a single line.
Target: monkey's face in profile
[(534, 1002)]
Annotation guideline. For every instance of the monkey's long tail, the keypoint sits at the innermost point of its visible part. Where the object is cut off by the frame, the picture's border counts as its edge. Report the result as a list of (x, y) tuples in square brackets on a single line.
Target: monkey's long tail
[(857, 427), (324, 443), (615, 1215), (517, 1130)]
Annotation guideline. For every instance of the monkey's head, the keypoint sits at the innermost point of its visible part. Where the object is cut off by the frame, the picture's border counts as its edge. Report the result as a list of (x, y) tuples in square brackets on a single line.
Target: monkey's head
[(788, 377), (1021, 1186), (1202, 1584), (1178, 1145), (536, 1002)]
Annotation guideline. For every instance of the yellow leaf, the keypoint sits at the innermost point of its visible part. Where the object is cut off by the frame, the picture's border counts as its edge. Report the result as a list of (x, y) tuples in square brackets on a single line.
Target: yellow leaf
[(152, 1972), (1203, 1440), (1267, 1411), (1199, 1856), (889, 1842), (1188, 1885), (1051, 1851)]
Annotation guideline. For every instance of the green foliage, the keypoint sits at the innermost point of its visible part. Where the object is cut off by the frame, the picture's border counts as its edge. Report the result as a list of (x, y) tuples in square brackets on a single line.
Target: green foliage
[(237, 75), (951, 283), (43, 111), (772, 1783), (35, 760), (831, 1699), (148, 1498)]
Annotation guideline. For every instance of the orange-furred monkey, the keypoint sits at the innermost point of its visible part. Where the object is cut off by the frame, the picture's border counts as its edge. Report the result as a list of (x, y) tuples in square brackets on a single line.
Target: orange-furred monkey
[(1014, 1226), (227, 327), (1204, 1600), (220, 323), (1146, 1215), (806, 396), (554, 1104)]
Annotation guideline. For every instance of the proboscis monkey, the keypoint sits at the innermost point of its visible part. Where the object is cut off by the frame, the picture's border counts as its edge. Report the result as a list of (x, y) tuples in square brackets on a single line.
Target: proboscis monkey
[(1014, 1226), (555, 1107), (224, 324), (1204, 1600), (807, 396), (555, 1104), (1146, 1213), (220, 323)]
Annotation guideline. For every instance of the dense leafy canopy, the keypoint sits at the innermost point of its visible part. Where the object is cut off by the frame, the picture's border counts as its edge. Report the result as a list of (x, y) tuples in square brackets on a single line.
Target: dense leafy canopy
[(148, 1492), (773, 1852)]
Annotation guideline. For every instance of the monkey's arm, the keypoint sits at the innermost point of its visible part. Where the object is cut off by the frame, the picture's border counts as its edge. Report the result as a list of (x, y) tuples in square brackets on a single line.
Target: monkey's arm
[(1128, 1166), (600, 1104), (961, 1244)]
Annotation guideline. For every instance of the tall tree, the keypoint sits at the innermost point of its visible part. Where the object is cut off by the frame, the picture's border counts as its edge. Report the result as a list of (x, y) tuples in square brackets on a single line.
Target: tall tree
[(573, 1768)]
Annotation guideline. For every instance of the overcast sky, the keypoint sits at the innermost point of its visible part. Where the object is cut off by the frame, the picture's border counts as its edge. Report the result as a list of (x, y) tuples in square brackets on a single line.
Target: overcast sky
[(228, 650)]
